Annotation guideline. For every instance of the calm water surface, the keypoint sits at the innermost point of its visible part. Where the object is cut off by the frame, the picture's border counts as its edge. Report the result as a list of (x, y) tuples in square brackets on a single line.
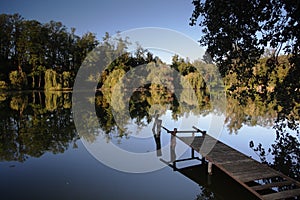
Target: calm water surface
[(43, 157)]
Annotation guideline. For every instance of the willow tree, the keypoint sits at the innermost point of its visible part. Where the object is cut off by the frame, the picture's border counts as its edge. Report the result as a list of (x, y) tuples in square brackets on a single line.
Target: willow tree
[(52, 80)]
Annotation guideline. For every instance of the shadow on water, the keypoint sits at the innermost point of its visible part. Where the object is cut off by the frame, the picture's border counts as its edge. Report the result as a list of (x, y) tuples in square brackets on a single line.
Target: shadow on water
[(216, 186), (212, 186)]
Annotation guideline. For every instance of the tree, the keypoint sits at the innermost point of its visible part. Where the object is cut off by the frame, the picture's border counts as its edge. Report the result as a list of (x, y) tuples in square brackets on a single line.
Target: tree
[(67, 79), (56, 41), (237, 32), (6, 29), (18, 79), (286, 154), (31, 47), (17, 28), (83, 46), (52, 80)]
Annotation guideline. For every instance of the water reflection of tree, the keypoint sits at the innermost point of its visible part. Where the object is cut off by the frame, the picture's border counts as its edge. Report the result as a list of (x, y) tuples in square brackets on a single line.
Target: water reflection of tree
[(249, 110), (253, 110), (286, 148), (286, 154), (29, 128), (142, 102), (205, 194), (279, 110)]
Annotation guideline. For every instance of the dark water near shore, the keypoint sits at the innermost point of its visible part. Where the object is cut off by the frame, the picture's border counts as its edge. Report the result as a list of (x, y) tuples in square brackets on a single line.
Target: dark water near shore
[(42, 156)]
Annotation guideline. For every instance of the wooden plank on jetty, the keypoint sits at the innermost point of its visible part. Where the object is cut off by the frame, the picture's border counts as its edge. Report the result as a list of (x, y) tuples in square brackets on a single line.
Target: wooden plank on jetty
[(282, 195), (251, 174)]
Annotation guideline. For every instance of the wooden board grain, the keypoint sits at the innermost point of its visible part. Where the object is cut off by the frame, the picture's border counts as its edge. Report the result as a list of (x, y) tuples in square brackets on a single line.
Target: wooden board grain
[(242, 168), (282, 195)]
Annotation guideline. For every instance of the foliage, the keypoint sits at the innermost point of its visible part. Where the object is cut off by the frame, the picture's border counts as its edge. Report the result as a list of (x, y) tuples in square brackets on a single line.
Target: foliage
[(3, 85), (32, 48), (237, 34), (18, 79), (29, 129), (18, 103), (67, 79), (53, 80), (286, 154)]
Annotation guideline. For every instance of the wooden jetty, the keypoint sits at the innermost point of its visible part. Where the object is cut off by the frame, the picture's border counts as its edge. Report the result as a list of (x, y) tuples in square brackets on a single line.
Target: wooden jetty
[(261, 180)]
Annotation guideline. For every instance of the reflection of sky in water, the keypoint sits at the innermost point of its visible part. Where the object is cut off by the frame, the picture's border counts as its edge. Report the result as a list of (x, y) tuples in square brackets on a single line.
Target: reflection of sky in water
[(241, 140), (75, 174), (141, 140)]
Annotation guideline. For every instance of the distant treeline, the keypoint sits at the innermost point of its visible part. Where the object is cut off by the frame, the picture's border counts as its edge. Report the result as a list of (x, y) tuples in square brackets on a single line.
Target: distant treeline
[(40, 56), (47, 56)]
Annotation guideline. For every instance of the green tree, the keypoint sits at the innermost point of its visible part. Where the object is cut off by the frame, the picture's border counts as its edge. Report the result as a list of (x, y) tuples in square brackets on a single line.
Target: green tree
[(17, 28), (52, 80), (67, 79), (83, 46), (237, 32), (6, 31), (18, 79)]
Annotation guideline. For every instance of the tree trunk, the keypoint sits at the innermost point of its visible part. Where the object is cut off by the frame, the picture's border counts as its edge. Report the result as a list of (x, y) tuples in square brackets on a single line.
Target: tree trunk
[(40, 77), (33, 82)]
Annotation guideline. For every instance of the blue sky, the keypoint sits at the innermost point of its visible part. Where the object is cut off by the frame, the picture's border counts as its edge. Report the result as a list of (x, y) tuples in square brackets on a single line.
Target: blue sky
[(109, 15)]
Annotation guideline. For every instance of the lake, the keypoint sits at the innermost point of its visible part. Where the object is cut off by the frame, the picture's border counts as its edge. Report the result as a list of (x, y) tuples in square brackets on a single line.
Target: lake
[(46, 154)]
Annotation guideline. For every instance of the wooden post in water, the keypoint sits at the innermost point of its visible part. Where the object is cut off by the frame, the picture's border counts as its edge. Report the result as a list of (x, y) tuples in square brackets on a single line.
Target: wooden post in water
[(158, 127), (192, 153), (209, 169)]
